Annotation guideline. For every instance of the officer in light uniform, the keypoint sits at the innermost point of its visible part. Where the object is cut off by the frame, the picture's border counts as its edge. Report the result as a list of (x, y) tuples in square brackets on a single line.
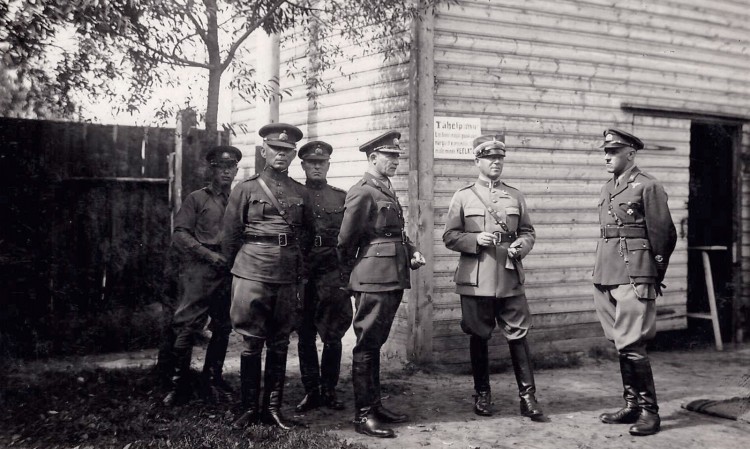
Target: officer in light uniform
[(374, 248), (488, 223), (327, 306), (203, 280), (637, 239), (268, 230)]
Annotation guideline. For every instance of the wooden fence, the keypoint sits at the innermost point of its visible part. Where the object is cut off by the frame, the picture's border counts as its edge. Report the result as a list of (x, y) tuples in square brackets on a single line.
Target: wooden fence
[(86, 215)]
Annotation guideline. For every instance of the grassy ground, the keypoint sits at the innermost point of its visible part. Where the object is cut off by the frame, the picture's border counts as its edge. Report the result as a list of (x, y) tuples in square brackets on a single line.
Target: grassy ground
[(121, 409)]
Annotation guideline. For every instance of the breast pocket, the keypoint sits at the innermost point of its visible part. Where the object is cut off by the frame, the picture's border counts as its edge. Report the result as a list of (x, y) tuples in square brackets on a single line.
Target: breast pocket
[(295, 206), (474, 219), (256, 209), (334, 217), (388, 215), (629, 212), (512, 217)]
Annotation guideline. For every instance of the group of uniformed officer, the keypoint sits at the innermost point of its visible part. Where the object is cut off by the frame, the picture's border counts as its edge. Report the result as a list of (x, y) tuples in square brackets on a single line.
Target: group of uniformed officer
[(297, 253)]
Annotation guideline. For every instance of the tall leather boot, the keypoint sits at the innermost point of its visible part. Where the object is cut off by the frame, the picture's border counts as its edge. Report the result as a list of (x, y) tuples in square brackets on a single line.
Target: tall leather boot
[(366, 421), (648, 422), (165, 361), (214, 387), (179, 392), (521, 358), (330, 369), (250, 368), (382, 413), (628, 414), (273, 393), (480, 370), (309, 371)]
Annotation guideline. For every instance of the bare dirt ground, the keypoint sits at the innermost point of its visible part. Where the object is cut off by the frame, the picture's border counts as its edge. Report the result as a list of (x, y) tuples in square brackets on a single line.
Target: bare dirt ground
[(440, 403)]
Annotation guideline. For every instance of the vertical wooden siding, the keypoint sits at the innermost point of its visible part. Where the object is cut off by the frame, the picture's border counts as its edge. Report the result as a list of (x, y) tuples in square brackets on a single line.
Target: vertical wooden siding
[(551, 75)]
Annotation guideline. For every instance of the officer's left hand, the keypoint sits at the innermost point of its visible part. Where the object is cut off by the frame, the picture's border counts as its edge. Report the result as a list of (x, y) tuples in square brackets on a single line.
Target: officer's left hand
[(514, 251), (417, 260)]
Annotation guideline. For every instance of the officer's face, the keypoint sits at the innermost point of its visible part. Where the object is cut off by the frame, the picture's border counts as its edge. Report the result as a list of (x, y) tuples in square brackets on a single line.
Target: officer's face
[(277, 157), (384, 163), (223, 173), (491, 166), (617, 160), (316, 169)]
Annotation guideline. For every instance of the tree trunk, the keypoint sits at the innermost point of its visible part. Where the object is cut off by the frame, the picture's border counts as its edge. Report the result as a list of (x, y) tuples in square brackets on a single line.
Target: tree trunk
[(214, 73)]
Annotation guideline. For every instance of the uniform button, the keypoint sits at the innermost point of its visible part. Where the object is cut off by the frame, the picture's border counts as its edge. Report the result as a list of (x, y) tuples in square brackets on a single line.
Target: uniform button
[(606, 240), (609, 212), (492, 191), (494, 201)]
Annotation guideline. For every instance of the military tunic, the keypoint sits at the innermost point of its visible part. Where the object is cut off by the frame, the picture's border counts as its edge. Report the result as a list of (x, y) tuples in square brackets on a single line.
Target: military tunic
[(373, 246), (632, 255), (267, 253), (203, 287), (491, 285), (327, 307)]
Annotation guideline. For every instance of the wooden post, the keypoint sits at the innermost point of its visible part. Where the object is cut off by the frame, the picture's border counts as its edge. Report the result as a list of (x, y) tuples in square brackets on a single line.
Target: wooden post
[(185, 120), (421, 183), (268, 65)]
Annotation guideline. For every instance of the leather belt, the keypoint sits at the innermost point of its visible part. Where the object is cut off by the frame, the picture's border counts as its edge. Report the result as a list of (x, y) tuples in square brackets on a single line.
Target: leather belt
[(503, 237), (612, 232), (390, 237), (277, 239), (321, 240)]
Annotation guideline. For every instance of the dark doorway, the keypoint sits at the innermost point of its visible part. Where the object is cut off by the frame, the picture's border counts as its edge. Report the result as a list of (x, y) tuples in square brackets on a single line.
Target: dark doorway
[(712, 221)]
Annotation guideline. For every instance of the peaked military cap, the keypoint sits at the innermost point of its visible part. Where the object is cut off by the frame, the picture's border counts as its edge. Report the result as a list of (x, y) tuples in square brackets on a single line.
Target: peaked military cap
[(223, 153), (489, 145), (281, 135), (315, 150), (385, 143), (617, 138)]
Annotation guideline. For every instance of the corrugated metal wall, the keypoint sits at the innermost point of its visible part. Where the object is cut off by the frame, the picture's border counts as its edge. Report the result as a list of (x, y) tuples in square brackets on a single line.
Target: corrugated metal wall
[(552, 75)]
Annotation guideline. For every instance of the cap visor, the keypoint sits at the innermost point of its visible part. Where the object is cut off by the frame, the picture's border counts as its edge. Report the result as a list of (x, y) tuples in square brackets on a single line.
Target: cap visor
[(280, 144)]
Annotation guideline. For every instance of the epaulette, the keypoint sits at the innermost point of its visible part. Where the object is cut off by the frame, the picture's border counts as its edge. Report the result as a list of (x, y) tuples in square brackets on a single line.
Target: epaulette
[(509, 186), (468, 186), (294, 180), (251, 177), (337, 189)]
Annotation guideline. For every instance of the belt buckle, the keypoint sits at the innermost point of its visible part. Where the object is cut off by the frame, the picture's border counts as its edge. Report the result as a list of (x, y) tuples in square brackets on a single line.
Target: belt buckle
[(318, 240), (388, 234), (283, 241)]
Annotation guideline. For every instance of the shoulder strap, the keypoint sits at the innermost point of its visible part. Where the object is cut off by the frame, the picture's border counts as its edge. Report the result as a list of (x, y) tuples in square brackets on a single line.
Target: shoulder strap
[(492, 211), (274, 201)]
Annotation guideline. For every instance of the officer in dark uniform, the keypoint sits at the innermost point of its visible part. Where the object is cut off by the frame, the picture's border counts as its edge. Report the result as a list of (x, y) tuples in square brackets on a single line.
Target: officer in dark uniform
[(267, 229), (488, 223), (374, 248), (327, 305), (637, 239), (204, 280)]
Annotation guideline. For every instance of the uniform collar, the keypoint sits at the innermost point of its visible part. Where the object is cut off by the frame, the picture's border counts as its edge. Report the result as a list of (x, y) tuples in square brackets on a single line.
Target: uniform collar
[(214, 191), (486, 182), (316, 184), (274, 174)]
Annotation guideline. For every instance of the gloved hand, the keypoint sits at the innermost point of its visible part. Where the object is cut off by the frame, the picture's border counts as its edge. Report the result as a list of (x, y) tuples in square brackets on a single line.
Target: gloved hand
[(659, 284), (417, 260), (212, 257)]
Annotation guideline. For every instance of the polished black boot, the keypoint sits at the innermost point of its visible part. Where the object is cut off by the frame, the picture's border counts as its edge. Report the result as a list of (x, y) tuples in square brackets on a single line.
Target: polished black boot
[(179, 392), (648, 422), (330, 369), (274, 389), (521, 358), (367, 423), (309, 371), (628, 414), (480, 370), (213, 386), (250, 368)]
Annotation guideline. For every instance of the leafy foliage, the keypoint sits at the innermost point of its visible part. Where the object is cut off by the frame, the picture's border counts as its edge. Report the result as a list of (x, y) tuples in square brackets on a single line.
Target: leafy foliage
[(82, 45)]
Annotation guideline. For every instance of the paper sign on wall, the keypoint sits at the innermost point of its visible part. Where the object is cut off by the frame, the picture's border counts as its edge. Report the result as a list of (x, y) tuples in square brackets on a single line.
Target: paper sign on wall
[(454, 135)]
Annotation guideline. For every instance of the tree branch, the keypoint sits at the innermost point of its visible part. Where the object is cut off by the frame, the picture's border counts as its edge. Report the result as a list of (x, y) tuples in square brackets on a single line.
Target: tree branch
[(198, 27), (252, 27)]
